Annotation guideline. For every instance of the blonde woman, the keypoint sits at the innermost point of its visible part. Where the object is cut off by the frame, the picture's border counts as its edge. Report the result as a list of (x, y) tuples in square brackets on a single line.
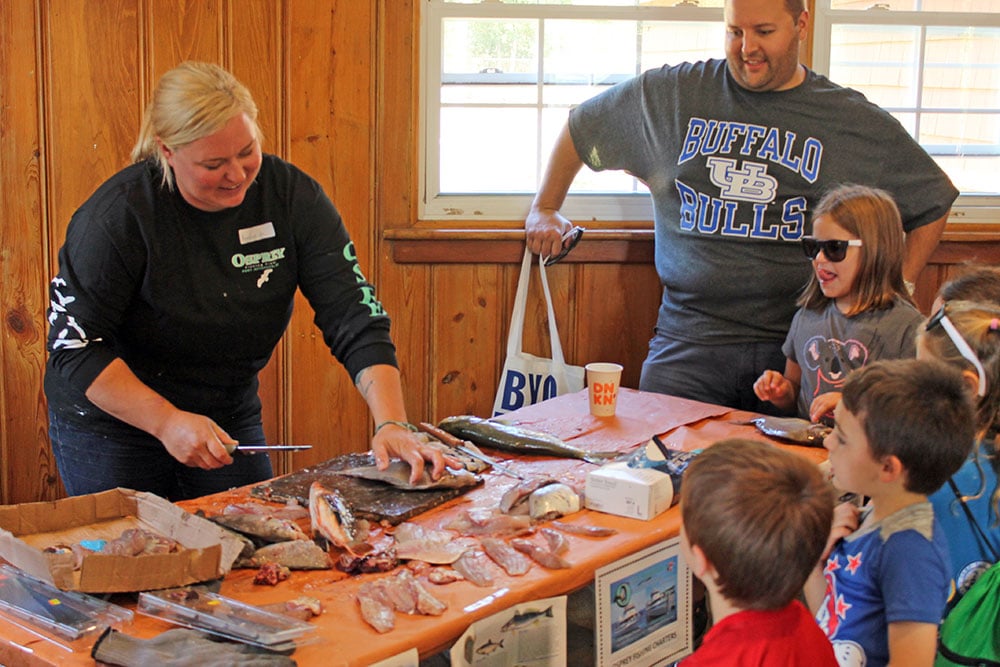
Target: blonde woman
[(175, 283)]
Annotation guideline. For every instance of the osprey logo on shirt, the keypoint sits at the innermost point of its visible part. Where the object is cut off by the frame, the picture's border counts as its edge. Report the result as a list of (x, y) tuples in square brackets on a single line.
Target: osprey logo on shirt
[(258, 259), (263, 263)]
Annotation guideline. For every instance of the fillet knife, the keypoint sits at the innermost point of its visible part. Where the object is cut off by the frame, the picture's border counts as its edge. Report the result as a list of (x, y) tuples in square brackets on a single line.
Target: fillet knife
[(249, 449)]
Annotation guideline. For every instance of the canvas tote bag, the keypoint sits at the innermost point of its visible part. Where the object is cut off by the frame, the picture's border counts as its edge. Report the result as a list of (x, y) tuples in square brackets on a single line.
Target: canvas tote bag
[(527, 379)]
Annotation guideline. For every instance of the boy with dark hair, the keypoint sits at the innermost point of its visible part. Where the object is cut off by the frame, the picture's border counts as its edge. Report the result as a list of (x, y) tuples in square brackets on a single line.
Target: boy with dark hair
[(755, 521), (902, 429)]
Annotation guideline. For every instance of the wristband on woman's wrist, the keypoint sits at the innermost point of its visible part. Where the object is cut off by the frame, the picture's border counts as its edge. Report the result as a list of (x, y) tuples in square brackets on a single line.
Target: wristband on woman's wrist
[(407, 425)]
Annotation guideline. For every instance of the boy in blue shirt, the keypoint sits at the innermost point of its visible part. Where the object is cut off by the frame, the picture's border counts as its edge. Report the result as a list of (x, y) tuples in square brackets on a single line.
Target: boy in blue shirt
[(902, 428)]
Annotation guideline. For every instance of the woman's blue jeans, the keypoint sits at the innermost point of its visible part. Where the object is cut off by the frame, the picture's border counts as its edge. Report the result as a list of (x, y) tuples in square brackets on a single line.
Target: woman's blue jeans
[(90, 462)]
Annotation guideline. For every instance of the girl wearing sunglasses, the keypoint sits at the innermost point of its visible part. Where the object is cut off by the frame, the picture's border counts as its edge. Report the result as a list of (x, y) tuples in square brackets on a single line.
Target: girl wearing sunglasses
[(855, 308), (966, 334)]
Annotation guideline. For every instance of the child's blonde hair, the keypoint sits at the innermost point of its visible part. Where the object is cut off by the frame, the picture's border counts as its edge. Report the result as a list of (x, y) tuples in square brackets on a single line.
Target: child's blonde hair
[(190, 102), (871, 215), (979, 325)]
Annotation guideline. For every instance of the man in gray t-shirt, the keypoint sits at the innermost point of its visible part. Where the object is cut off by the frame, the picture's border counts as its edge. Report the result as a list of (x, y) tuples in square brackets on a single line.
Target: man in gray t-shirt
[(735, 153)]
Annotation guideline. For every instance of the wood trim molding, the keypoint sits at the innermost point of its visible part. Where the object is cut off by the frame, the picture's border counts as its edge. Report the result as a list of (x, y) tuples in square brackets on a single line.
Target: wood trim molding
[(960, 243)]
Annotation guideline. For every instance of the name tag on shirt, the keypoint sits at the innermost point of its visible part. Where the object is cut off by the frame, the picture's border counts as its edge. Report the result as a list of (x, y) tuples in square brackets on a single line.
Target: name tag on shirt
[(256, 233)]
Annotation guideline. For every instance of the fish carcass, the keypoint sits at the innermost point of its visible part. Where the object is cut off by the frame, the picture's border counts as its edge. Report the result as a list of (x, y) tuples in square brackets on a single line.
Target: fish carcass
[(507, 437), (332, 519), (261, 526)]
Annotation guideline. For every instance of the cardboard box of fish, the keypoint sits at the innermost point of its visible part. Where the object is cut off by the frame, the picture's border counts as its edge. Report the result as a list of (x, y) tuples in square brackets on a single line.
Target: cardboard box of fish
[(175, 548), (637, 493)]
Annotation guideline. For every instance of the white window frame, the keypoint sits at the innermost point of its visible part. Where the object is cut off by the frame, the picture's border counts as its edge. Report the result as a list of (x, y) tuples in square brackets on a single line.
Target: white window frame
[(621, 207), (968, 209)]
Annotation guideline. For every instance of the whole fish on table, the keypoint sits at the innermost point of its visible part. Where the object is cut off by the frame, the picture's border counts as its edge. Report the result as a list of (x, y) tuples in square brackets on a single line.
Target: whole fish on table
[(792, 429), (508, 437)]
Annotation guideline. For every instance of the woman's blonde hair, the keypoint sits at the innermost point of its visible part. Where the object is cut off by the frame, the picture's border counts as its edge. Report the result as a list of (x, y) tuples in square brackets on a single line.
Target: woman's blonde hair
[(871, 215), (190, 102)]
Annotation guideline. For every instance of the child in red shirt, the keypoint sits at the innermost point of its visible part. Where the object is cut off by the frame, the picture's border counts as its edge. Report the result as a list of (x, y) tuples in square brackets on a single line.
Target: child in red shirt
[(755, 521)]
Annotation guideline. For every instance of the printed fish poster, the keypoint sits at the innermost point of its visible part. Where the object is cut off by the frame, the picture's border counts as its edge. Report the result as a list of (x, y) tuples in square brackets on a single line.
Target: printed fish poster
[(532, 634)]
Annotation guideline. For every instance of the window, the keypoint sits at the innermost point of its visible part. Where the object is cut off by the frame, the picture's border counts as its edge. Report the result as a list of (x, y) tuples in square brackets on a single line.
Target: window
[(933, 64), (499, 78)]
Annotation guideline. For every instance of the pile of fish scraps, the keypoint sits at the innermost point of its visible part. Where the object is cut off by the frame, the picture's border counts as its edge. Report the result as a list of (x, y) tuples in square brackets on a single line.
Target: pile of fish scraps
[(476, 546)]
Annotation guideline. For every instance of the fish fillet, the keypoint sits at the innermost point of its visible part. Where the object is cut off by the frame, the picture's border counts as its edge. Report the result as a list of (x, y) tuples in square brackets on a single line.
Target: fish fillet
[(504, 555)]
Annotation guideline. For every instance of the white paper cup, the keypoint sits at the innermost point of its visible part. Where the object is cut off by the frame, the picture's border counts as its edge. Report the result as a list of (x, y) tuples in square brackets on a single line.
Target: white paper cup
[(603, 380)]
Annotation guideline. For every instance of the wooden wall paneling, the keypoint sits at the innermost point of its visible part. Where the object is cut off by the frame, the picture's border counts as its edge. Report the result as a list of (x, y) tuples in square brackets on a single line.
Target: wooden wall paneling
[(256, 49), (308, 107), (330, 123), (27, 469), (404, 290), (91, 78), (616, 314), (92, 114), (179, 30), (465, 352)]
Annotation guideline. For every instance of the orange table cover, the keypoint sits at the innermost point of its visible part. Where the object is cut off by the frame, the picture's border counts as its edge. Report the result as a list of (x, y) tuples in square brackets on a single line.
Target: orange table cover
[(345, 639)]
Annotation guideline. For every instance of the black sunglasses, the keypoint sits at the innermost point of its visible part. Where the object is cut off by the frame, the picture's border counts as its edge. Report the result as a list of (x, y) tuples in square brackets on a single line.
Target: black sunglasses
[(574, 235), (835, 250)]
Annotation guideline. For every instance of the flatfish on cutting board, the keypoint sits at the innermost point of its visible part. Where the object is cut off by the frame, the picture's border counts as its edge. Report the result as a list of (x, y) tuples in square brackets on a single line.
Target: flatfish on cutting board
[(368, 500), (398, 475)]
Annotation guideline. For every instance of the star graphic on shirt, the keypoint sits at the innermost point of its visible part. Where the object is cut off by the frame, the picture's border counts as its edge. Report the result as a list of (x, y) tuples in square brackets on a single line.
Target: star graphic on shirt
[(832, 565), (842, 607), (853, 563)]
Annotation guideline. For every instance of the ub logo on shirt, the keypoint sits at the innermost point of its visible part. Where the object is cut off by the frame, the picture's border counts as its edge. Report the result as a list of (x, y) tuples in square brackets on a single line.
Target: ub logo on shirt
[(751, 183), (745, 180)]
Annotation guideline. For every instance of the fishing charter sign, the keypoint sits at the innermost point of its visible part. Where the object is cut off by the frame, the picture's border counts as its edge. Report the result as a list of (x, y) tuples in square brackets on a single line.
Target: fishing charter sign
[(532, 633), (643, 608)]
